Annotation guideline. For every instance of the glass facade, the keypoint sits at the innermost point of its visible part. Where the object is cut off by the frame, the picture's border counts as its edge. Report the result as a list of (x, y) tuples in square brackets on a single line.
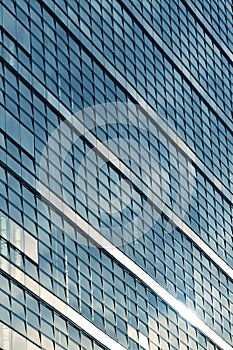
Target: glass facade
[(116, 186)]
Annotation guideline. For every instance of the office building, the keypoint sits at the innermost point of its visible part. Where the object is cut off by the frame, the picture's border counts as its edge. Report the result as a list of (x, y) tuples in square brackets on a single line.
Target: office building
[(116, 187)]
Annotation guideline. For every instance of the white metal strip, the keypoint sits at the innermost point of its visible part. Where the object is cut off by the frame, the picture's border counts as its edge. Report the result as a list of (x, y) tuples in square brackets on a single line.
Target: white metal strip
[(139, 272), (56, 303)]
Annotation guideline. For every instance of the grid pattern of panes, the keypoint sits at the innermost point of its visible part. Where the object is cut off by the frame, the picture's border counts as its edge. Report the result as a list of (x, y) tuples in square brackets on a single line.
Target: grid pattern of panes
[(33, 319), (145, 70), (217, 205), (18, 238), (44, 48), (27, 139), (71, 271), (174, 97), (219, 14), (148, 315), (182, 32), (21, 116)]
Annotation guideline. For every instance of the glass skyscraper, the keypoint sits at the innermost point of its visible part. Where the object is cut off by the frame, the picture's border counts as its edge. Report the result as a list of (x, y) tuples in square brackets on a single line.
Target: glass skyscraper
[(116, 185)]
